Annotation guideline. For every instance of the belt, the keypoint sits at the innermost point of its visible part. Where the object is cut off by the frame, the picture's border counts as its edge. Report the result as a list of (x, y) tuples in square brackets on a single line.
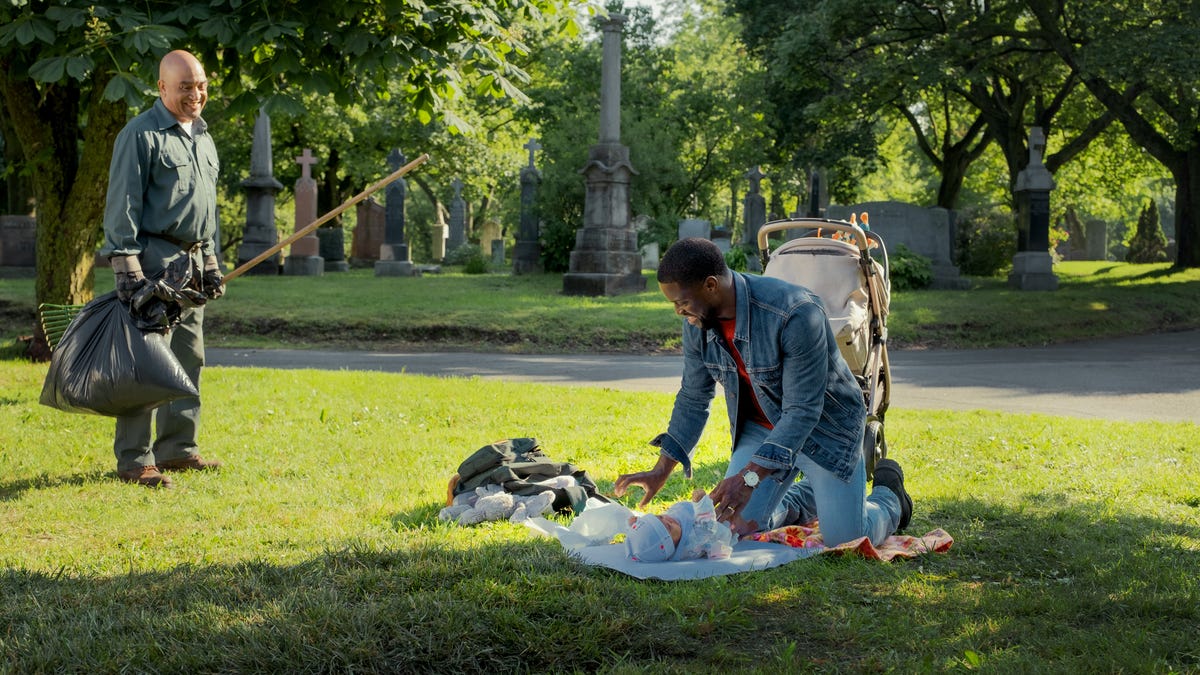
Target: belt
[(184, 245)]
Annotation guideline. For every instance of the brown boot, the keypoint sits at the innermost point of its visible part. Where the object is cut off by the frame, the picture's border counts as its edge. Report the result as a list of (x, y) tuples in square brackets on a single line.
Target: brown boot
[(192, 463), (148, 476)]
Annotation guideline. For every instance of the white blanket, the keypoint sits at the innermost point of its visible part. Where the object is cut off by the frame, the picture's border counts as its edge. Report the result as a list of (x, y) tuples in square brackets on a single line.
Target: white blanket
[(588, 537)]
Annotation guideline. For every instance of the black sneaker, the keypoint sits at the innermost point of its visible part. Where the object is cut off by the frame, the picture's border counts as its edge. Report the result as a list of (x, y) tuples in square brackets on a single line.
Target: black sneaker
[(889, 474)]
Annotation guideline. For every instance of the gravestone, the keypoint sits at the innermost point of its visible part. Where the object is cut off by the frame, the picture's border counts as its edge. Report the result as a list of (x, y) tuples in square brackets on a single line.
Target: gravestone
[(368, 233), (527, 254), (1033, 268), (1097, 239), (18, 242), (926, 231), (394, 260), (332, 248), (458, 218), (694, 227), (260, 234), (304, 259), (606, 259), (497, 253), (754, 214), (650, 255), (438, 233), (722, 237)]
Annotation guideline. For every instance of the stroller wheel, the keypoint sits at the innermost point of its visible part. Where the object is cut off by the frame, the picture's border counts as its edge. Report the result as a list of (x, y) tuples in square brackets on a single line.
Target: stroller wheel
[(874, 446)]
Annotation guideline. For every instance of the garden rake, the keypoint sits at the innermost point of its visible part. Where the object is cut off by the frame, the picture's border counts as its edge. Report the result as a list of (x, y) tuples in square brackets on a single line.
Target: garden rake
[(55, 319)]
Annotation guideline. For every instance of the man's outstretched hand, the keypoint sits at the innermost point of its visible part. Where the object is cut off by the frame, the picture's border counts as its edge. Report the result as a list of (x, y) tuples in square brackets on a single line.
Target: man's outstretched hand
[(650, 481)]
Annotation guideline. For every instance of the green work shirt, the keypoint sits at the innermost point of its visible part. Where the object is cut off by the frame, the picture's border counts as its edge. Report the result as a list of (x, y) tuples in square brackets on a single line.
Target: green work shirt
[(161, 181)]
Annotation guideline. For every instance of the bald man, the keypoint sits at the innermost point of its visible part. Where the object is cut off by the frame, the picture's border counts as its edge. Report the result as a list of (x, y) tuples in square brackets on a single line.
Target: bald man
[(161, 211)]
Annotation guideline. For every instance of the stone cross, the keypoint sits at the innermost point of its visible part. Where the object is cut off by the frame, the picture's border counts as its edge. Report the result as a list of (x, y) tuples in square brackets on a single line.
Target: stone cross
[(755, 175), (304, 258), (306, 160), (532, 146), (1032, 264), (754, 214), (527, 252), (1037, 146), (396, 192), (394, 257)]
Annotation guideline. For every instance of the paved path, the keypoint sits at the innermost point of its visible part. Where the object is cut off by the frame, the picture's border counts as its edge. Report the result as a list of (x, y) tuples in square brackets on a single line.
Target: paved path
[(1154, 377)]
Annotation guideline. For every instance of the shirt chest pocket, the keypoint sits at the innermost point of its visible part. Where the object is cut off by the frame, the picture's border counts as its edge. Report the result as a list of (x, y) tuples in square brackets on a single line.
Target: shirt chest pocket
[(177, 170)]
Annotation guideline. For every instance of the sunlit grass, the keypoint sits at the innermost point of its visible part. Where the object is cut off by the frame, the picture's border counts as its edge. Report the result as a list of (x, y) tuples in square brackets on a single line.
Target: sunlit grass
[(317, 547), (530, 314)]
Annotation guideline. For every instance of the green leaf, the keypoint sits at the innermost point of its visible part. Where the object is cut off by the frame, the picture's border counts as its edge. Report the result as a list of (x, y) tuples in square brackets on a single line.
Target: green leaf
[(48, 70), (115, 90), (79, 67), (44, 31), (67, 17)]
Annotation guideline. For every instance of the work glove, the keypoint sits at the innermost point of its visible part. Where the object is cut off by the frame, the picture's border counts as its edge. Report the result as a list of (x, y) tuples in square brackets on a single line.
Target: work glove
[(212, 281), (127, 271)]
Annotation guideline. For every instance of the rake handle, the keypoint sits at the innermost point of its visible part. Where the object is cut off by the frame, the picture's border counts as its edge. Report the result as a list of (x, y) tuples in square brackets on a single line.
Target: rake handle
[(244, 267)]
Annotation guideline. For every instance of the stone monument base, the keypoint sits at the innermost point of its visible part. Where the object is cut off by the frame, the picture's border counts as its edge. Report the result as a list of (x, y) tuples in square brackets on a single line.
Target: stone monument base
[(337, 266), (527, 257), (395, 268), (599, 283), (1033, 271), (947, 277), (304, 265), (248, 252)]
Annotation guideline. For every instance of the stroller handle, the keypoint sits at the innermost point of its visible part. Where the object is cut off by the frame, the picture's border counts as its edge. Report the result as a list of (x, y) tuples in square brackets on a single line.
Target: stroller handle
[(860, 237)]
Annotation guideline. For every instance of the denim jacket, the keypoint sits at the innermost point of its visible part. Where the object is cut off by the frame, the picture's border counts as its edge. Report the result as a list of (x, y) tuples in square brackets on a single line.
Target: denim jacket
[(803, 384)]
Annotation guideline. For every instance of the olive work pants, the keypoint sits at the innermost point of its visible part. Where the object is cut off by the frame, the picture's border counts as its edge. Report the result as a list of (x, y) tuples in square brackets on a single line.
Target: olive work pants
[(176, 421)]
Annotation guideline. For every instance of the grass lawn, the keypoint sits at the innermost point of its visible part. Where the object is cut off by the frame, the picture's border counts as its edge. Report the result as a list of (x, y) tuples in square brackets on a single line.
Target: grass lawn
[(530, 314), (317, 547)]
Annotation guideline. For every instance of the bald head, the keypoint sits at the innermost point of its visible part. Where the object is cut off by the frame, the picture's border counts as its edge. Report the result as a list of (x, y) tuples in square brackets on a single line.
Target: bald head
[(182, 85)]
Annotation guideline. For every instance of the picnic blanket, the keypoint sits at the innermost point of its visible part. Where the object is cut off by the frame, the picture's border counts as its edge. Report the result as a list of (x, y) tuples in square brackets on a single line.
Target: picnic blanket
[(589, 542), (902, 546)]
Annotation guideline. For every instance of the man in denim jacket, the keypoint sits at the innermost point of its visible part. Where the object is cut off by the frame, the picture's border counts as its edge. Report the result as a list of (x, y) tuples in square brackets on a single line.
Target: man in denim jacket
[(794, 406)]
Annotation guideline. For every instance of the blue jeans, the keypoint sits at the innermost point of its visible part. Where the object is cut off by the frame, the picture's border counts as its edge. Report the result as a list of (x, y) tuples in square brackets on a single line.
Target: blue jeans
[(845, 510)]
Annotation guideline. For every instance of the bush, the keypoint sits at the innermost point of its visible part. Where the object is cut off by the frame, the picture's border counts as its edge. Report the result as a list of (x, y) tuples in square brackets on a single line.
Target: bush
[(909, 270), (985, 242), (477, 265), (558, 240), (470, 256), (735, 259), (1149, 244)]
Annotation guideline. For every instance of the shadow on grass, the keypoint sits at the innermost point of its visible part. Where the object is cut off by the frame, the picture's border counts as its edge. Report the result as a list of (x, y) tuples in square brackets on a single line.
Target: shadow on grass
[(1042, 583), (13, 489)]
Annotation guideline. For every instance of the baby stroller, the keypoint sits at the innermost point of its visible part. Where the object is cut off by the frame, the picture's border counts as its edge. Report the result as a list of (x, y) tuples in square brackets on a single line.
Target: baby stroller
[(837, 260)]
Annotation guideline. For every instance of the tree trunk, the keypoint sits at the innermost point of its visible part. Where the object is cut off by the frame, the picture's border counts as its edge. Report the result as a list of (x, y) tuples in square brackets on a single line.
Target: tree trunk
[(69, 185), (16, 191), (1187, 196)]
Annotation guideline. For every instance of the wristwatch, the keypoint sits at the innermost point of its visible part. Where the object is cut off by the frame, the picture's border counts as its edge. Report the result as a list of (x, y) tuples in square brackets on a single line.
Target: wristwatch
[(751, 478)]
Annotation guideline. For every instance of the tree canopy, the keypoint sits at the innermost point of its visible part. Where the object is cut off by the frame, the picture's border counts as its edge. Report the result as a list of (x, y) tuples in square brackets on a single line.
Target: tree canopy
[(71, 71)]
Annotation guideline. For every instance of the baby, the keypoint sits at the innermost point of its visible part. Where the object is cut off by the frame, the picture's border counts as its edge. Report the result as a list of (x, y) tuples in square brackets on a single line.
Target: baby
[(688, 530)]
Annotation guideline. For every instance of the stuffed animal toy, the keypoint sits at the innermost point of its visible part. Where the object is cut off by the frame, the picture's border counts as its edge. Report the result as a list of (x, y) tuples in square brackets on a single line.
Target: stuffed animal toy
[(491, 502)]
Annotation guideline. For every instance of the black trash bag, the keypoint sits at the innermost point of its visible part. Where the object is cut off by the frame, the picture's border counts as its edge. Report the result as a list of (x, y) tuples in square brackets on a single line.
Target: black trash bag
[(159, 303), (105, 365)]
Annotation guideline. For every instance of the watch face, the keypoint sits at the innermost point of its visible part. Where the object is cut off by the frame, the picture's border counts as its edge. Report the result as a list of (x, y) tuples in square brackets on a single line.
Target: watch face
[(751, 478)]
